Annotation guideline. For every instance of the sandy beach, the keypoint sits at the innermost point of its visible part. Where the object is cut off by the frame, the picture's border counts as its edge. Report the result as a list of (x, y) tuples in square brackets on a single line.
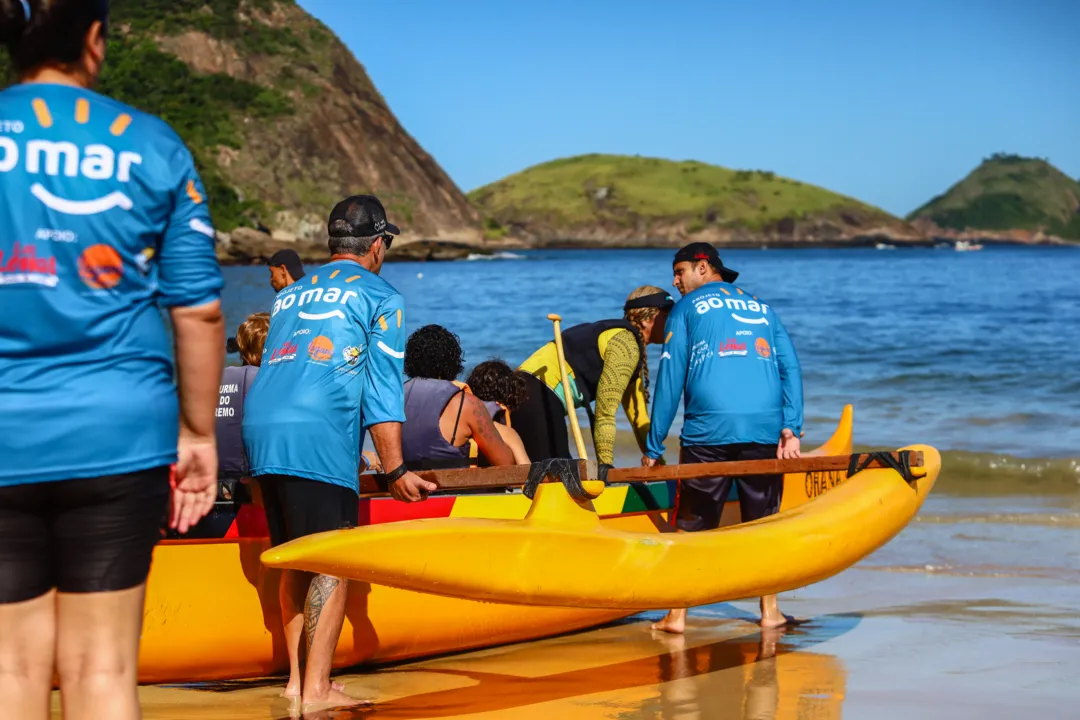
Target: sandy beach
[(989, 627)]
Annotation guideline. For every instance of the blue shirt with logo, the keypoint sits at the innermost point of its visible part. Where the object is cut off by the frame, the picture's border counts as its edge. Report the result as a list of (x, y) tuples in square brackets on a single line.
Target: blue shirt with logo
[(332, 367), (731, 357), (103, 221)]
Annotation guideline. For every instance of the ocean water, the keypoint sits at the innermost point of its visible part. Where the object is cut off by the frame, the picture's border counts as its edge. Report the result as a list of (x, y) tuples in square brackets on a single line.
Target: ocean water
[(975, 352)]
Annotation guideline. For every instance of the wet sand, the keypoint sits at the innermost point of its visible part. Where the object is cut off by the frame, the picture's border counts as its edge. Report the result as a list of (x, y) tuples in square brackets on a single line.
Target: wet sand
[(972, 612)]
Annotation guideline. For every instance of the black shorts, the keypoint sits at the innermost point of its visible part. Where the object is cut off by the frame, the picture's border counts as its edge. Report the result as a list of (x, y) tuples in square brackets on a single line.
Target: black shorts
[(541, 422), (701, 501), (80, 536), (297, 506)]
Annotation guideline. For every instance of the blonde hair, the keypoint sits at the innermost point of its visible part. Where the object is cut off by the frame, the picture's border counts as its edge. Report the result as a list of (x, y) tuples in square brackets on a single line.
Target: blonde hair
[(251, 337), (638, 317)]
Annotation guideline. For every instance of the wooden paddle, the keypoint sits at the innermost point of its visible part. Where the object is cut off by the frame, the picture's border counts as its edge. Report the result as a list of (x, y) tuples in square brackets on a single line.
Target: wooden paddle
[(563, 372), (512, 476)]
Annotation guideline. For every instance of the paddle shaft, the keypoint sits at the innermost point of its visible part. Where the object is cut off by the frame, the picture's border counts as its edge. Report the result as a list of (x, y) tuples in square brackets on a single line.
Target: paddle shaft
[(563, 372), (511, 476)]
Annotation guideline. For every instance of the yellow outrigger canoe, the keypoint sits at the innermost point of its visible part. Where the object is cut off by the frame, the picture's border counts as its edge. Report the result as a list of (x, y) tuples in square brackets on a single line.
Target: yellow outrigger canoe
[(212, 609)]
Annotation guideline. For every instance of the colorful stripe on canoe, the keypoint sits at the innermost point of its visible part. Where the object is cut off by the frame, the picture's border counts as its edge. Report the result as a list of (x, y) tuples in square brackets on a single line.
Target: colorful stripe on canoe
[(232, 520)]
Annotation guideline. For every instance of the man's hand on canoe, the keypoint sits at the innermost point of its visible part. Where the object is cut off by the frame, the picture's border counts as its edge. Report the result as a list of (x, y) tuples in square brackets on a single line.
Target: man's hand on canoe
[(410, 488), (788, 447)]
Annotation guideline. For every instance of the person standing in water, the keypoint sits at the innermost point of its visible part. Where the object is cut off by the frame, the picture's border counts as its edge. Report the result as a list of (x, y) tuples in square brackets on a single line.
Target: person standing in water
[(333, 371), (105, 437), (731, 357), (607, 365)]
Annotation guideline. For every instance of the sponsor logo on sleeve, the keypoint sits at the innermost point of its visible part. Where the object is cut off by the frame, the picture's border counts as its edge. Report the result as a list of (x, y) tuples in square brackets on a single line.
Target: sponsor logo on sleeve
[(22, 266)]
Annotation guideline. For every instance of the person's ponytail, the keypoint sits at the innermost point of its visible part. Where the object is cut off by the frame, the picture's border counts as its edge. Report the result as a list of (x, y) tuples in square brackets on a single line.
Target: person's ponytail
[(15, 18), (48, 32)]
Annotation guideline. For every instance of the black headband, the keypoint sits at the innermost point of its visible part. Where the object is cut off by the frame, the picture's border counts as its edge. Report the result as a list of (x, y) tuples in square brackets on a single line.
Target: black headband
[(656, 300)]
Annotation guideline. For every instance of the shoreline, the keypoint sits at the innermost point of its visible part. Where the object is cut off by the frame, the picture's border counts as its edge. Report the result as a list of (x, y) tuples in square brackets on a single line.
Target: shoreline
[(440, 251)]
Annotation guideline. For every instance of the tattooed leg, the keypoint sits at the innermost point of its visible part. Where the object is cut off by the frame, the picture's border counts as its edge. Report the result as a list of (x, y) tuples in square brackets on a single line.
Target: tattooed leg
[(324, 614)]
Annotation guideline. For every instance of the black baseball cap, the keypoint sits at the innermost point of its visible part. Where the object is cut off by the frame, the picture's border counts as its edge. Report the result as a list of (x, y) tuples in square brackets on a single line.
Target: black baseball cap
[(360, 216), (704, 251), (290, 260), (660, 300)]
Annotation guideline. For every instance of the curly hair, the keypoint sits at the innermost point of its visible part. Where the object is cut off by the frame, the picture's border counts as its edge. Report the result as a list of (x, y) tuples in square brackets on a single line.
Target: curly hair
[(251, 336), (433, 352), (494, 380)]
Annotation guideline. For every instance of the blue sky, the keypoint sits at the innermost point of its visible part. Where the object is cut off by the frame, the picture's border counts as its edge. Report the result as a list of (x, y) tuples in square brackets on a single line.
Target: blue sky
[(890, 102)]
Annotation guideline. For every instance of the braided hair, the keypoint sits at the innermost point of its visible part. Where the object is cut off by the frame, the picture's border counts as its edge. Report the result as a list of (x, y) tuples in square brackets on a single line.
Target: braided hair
[(638, 317)]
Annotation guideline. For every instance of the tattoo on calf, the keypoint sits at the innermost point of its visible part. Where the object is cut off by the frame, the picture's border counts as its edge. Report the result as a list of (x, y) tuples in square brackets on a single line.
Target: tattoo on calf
[(319, 592)]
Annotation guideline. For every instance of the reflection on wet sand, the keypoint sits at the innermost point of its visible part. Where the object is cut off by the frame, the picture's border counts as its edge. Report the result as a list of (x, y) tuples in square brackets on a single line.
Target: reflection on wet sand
[(717, 670)]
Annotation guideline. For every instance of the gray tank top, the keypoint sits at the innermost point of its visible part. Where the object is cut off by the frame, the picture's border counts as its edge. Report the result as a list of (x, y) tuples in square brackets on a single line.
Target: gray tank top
[(232, 460), (422, 443)]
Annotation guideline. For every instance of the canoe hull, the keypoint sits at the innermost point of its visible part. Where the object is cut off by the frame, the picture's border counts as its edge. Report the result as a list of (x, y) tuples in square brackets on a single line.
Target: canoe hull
[(212, 611)]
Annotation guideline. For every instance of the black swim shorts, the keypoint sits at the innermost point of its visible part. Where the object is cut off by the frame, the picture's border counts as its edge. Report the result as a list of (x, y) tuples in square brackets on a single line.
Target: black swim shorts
[(80, 536), (701, 501), (297, 506)]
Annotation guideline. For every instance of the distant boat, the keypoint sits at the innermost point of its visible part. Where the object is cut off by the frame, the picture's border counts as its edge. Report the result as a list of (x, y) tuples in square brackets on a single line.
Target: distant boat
[(965, 246), (885, 246)]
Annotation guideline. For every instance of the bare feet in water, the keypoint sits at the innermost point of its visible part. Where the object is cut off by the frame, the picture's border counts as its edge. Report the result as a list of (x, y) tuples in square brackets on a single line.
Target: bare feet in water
[(292, 691), (334, 698), (674, 622)]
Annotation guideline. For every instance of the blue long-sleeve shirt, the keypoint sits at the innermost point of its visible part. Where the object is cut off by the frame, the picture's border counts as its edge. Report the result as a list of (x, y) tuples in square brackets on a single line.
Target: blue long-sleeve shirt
[(103, 222), (331, 368), (728, 352)]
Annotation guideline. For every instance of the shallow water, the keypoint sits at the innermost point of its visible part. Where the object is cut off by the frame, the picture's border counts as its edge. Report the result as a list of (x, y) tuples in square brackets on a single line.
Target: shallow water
[(964, 351)]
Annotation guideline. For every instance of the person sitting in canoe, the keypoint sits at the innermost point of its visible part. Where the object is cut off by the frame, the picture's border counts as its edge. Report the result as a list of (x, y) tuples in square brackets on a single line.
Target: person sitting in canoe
[(236, 380), (441, 415), (502, 391), (607, 365), (731, 357)]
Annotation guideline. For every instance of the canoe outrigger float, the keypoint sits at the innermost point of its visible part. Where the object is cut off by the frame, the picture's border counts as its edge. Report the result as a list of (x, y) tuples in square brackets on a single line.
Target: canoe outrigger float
[(212, 608)]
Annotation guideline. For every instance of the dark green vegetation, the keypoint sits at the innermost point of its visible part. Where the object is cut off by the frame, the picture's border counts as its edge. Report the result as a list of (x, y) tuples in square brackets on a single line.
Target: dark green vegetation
[(1009, 192), (205, 109), (589, 189)]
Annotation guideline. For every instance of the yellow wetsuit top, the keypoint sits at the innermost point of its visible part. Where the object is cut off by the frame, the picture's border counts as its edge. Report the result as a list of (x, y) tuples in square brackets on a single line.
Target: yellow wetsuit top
[(620, 353)]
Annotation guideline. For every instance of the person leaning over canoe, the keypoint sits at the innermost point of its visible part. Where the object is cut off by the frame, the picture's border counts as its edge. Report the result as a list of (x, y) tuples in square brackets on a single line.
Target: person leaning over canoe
[(728, 353), (105, 420), (333, 371), (441, 416), (502, 390), (607, 365)]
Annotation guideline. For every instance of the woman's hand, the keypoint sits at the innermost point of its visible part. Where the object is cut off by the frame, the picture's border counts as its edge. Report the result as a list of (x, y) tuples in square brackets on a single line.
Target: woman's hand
[(194, 485)]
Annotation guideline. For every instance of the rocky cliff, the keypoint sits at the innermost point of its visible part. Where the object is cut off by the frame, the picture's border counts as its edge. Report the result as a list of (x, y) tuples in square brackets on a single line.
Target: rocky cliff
[(282, 119)]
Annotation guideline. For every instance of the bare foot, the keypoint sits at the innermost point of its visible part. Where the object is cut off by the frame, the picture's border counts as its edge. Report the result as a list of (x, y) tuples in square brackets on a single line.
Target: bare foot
[(294, 692), (674, 622), (333, 698), (775, 621)]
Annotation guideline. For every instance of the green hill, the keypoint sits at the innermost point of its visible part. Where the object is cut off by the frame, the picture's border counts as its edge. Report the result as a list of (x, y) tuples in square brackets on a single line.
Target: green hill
[(282, 119), (1009, 192), (614, 196)]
